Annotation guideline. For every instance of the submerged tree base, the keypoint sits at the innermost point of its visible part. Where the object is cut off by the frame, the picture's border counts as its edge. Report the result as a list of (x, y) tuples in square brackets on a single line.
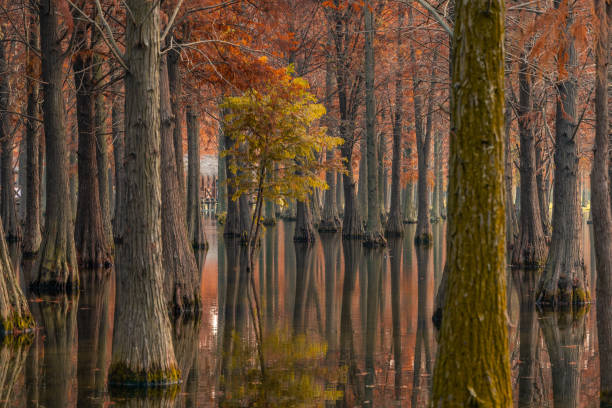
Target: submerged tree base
[(562, 298), (374, 240), (122, 375), (16, 325), (55, 287), (423, 239), (330, 226)]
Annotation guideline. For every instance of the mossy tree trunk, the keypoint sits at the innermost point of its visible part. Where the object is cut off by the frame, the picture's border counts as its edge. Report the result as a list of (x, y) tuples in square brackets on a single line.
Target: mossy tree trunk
[(530, 249), (600, 203), (475, 306), (8, 207), (563, 281), (90, 238), (142, 353), (56, 267), (395, 222), (15, 316), (32, 232), (374, 233), (182, 278), (195, 221)]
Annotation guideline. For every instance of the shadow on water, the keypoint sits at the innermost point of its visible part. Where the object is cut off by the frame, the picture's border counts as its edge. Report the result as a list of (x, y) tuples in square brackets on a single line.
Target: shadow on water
[(342, 326)]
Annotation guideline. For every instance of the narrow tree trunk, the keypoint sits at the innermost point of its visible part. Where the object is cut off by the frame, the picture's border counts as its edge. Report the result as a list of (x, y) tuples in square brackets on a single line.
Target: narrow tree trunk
[(530, 248), (119, 157), (233, 223), (8, 208), (476, 263), (340, 193), (600, 203), (176, 90), (22, 178), (31, 201), (195, 222), (222, 197), (395, 225), (142, 353), (542, 180), (90, 239), (182, 278), (511, 222), (56, 267), (362, 187), (564, 281), (374, 232)]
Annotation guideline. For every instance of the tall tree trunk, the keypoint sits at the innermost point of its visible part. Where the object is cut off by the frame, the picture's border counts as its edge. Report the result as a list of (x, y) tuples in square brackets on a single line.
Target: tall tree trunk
[(222, 197), (90, 239), (31, 201), (542, 180), (8, 208), (340, 194), (395, 224), (176, 90), (330, 221), (476, 263), (423, 231), (530, 248), (600, 203), (362, 186), (56, 267), (234, 224), (182, 278), (103, 164), (511, 222), (304, 227), (118, 128), (142, 353), (374, 232), (195, 222), (564, 281)]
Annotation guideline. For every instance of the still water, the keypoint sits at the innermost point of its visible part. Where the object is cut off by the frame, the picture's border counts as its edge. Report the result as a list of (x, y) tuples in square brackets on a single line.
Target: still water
[(341, 326)]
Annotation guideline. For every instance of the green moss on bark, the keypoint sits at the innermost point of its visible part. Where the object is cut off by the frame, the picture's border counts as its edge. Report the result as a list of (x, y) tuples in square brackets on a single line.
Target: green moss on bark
[(121, 374)]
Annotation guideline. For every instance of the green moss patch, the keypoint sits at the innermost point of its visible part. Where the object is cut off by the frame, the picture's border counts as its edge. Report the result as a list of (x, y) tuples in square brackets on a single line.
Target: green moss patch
[(121, 374)]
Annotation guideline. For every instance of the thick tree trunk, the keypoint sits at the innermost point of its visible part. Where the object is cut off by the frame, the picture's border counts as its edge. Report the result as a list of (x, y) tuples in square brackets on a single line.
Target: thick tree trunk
[(374, 233), (8, 208), (304, 227), (600, 204), (92, 247), (564, 281), (119, 157), (15, 316), (56, 268), (142, 353), (395, 224), (195, 221), (31, 201), (103, 164), (530, 248), (182, 278), (475, 305)]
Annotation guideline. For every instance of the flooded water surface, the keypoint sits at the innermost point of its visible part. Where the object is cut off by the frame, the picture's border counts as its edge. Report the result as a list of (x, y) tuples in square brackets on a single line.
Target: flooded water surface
[(342, 326)]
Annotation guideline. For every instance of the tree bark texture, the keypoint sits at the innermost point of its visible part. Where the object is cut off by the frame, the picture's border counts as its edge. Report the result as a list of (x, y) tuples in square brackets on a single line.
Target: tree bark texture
[(142, 338), (600, 203), (182, 278), (195, 221), (474, 333), (56, 263), (374, 233), (176, 90), (8, 207), (32, 232), (530, 249), (92, 247), (118, 130), (395, 222), (564, 281)]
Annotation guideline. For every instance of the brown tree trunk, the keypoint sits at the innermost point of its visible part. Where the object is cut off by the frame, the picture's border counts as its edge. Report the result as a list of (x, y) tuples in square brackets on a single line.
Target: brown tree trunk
[(530, 249), (142, 353), (563, 281), (304, 228), (15, 316), (102, 160), (31, 233), (182, 279), (195, 221), (8, 208), (395, 222), (176, 89), (511, 222), (600, 204), (91, 242), (56, 268), (119, 157)]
